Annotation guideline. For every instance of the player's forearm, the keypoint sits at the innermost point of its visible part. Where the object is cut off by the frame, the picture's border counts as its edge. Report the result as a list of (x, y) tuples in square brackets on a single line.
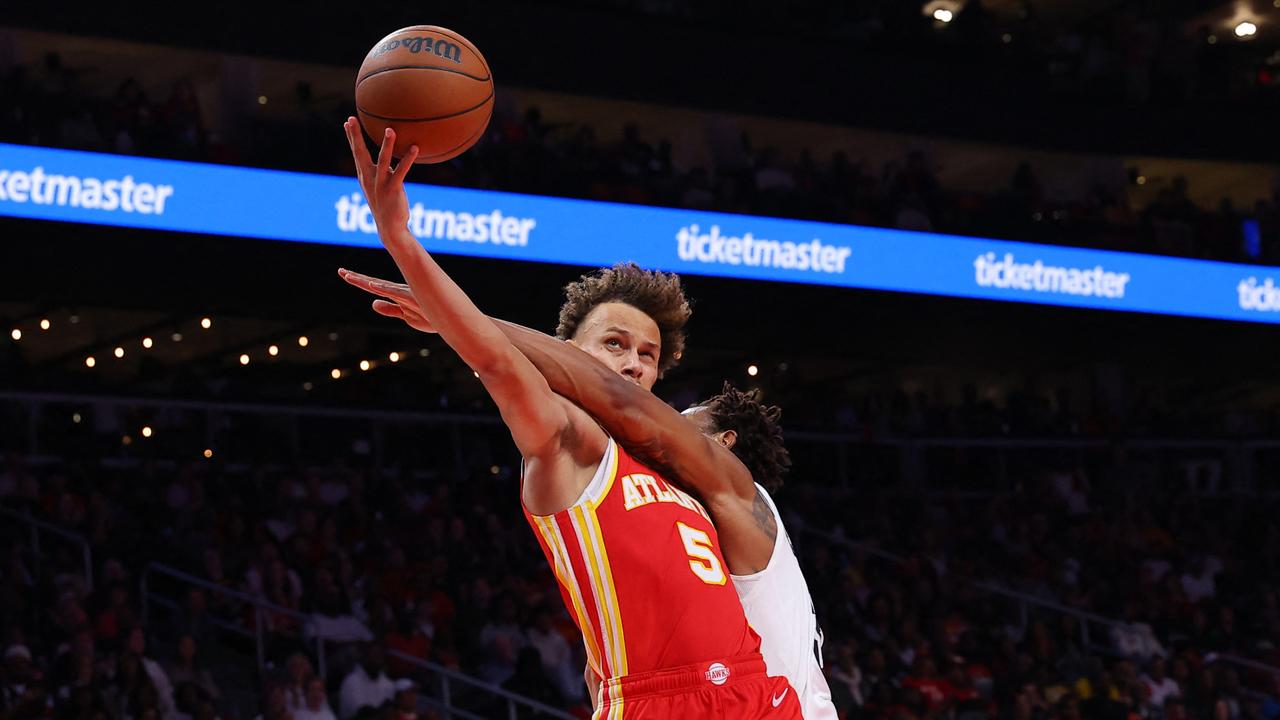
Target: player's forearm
[(639, 420), (461, 324), (583, 380)]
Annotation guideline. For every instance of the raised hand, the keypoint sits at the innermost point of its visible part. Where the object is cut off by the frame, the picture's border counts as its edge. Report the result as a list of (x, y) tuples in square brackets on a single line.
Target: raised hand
[(399, 302), (383, 187)]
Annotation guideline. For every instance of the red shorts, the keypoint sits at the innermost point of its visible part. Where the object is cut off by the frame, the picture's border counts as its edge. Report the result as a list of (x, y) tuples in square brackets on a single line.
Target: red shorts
[(737, 688)]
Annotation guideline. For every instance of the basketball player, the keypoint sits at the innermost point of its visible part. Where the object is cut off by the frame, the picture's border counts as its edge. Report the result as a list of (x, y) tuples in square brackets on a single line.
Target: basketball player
[(762, 563), (766, 573), (645, 582)]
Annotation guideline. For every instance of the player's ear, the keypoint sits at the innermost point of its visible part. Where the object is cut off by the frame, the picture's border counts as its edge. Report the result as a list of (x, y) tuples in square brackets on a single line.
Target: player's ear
[(728, 438)]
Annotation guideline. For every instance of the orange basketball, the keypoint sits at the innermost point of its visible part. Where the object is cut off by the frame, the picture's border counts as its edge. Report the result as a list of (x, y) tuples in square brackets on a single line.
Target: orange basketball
[(431, 85)]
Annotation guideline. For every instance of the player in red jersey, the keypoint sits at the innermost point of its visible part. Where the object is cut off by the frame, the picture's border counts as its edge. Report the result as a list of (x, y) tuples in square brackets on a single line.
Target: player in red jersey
[(763, 565), (638, 561)]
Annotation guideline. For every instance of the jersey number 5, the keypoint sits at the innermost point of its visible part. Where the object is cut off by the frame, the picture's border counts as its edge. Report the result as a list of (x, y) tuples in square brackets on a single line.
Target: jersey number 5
[(702, 559)]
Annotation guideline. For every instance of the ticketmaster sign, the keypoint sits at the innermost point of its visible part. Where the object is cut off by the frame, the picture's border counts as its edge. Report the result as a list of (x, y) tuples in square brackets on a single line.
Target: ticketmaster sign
[(67, 186)]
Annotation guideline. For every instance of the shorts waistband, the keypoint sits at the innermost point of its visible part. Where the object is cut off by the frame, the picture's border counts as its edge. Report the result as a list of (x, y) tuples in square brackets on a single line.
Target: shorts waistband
[(709, 674)]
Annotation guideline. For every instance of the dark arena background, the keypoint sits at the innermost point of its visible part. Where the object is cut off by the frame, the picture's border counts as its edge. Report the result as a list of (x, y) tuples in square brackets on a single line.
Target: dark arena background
[(1032, 409)]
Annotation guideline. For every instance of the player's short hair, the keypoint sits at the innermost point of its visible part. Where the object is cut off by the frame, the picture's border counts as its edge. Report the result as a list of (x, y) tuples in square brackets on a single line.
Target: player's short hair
[(760, 445), (656, 294)]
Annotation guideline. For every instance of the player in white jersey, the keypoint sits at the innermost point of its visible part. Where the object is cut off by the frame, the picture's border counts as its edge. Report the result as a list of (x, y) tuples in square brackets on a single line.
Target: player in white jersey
[(775, 597), (755, 545)]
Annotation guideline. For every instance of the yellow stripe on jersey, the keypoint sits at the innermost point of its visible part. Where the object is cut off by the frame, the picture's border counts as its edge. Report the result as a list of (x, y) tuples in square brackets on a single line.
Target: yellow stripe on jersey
[(564, 573), (595, 570), (611, 600)]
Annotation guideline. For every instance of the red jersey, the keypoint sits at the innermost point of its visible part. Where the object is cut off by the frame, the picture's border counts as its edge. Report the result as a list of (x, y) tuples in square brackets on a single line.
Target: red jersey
[(639, 567)]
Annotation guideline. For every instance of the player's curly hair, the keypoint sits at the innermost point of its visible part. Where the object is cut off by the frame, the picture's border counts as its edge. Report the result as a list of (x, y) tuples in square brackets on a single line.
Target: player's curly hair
[(760, 445), (656, 294)]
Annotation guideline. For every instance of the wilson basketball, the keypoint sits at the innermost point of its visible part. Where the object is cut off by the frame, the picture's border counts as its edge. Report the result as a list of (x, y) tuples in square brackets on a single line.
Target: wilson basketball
[(431, 85)]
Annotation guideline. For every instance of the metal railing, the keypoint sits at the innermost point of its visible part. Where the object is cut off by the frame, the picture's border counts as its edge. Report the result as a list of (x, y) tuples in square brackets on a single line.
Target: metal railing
[(448, 680), (36, 527), (1025, 602)]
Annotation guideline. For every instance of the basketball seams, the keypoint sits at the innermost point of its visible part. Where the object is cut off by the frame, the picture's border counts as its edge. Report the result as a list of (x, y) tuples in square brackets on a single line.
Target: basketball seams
[(384, 118), (379, 71), (450, 154)]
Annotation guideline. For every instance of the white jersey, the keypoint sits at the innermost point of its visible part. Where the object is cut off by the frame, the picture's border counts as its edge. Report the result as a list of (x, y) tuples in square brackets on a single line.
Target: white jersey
[(780, 610)]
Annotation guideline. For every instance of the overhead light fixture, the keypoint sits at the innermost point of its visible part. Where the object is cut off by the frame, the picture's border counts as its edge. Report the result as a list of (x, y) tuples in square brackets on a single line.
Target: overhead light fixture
[(394, 357), (244, 359), (45, 324), (335, 373), (16, 334), (307, 386), (274, 350), (365, 365), (118, 352), (424, 352), (206, 323), (147, 342), (1246, 29), (303, 341), (333, 337), (75, 418), (146, 431), (176, 337), (90, 362), (208, 453), (752, 370), (943, 15)]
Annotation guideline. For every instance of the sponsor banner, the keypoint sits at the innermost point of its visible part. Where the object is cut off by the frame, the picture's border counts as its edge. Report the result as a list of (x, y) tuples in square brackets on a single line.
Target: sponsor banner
[(71, 186)]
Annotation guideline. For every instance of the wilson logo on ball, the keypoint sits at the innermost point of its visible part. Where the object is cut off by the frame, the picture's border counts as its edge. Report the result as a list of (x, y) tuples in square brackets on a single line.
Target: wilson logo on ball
[(437, 46)]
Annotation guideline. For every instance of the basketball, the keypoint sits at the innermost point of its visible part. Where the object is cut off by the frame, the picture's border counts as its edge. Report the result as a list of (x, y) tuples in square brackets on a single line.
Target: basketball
[(431, 85)]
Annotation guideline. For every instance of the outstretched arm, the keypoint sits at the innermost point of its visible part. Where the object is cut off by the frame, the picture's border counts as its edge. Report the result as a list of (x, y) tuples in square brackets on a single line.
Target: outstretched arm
[(635, 417), (645, 425), (554, 439)]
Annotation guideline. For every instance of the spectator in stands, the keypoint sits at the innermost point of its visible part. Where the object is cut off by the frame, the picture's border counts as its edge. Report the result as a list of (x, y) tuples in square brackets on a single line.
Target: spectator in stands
[(530, 680), (1134, 639), (274, 707), (405, 700), (846, 678), (1198, 580), (366, 685), (132, 694), (406, 638), (1160, 687), (557, 658), (23, 694), (316, 705), (189, 675), (298, 674), (137, 647), (501, 640)]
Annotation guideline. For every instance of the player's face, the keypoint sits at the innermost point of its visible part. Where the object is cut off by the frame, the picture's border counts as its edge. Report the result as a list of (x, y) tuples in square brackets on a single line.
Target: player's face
[(623, 338)]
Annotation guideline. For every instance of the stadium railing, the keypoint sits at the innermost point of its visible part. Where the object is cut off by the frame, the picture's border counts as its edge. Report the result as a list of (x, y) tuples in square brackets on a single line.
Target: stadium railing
[(450, 684), (38, 528)]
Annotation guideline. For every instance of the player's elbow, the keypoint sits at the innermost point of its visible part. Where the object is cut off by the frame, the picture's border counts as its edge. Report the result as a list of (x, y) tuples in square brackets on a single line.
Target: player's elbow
[(497, 366)]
